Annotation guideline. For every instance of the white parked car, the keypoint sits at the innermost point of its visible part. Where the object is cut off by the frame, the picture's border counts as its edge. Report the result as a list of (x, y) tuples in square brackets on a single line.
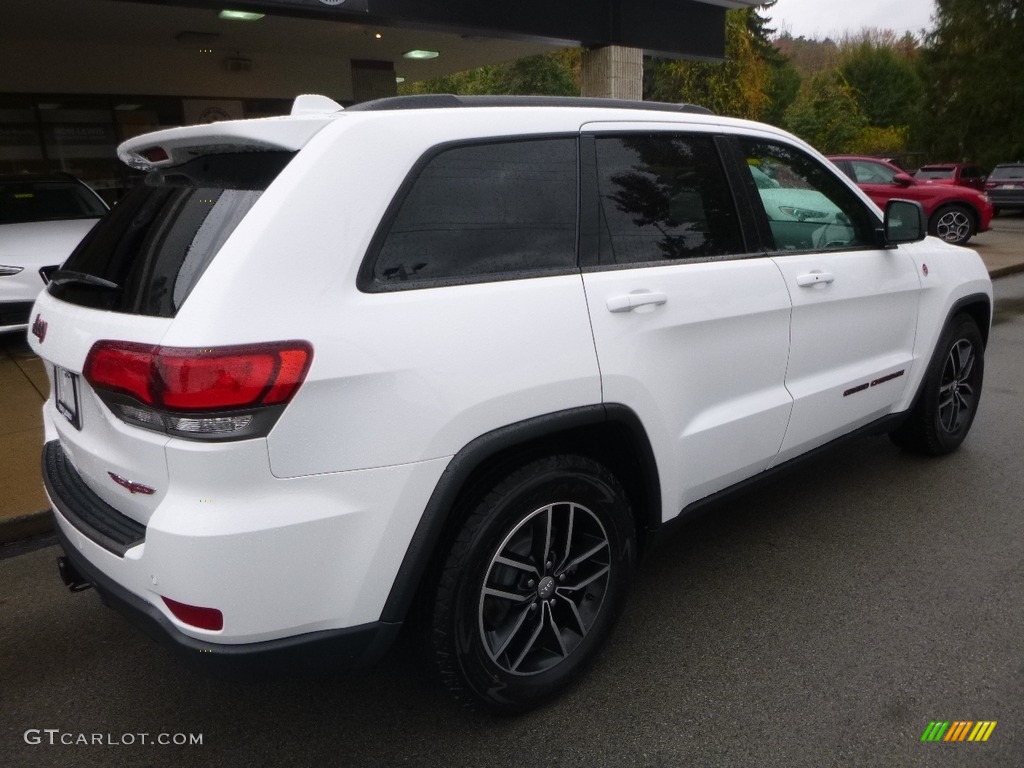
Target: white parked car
[(468, 356), (42, 219)]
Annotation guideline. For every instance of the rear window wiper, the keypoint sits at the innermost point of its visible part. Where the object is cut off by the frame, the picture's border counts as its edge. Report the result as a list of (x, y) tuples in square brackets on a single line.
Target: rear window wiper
[(65, 276)]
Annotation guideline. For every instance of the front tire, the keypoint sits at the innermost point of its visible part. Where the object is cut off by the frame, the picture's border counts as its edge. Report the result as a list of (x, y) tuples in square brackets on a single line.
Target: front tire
[(953, 223), (948, 403), (533, 583)]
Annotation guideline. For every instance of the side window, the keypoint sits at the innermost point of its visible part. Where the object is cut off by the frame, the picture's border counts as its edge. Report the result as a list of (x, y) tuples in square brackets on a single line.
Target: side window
[(663, 196), (871, 173), (808, 207), (485, 211)]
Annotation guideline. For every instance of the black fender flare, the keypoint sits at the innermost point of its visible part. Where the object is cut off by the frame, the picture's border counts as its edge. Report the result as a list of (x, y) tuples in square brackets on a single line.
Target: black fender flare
[(458, 473)]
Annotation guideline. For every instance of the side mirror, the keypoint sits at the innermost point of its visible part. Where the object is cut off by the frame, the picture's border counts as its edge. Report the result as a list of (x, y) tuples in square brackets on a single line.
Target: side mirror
[(903, 179), (904, 222)]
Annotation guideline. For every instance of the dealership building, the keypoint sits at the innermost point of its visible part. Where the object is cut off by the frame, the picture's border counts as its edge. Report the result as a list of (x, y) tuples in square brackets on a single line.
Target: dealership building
[(77, 78)]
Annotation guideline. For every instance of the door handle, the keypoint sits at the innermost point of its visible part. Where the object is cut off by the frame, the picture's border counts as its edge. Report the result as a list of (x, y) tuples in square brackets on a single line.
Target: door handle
[(631, 301), (814, 278)]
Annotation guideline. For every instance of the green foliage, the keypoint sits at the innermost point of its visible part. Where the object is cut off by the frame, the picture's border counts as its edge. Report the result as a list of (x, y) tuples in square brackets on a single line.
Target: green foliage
[(782, 90), (738, 86), (972, 68), (826, 114), (885, 81), (549, 74), (883, 142)]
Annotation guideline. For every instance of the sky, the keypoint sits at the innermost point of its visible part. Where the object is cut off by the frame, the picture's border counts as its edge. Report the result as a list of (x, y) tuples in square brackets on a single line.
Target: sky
[(833, 18)]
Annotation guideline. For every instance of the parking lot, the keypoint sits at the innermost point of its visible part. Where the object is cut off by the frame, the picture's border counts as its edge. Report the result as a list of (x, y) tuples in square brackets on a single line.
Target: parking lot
[(825, 619)]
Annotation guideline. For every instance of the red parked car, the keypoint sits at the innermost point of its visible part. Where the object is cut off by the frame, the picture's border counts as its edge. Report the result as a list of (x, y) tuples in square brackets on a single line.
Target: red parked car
[(955, 213), (963, 174)]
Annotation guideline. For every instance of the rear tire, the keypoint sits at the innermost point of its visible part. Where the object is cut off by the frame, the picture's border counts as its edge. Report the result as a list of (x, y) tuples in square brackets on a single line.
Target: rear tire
[(951, 391), (953, 223), (533, 584)]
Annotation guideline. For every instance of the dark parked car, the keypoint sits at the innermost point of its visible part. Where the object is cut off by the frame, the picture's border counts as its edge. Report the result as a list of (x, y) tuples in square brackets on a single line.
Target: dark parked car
[(962, 174), (1005, 187), (954, 213)]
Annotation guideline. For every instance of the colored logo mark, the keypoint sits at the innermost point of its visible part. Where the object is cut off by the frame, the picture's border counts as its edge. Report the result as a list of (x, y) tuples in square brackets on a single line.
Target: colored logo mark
[(958, 730)]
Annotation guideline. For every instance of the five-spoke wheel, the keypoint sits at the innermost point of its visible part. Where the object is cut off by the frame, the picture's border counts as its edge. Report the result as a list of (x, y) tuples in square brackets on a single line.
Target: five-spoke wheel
[(948, 400), (532, 583), (953, 223)]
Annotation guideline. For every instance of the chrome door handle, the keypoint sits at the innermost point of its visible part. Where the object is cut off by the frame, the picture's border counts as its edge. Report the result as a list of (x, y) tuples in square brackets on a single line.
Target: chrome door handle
[(814, 278), (631, 301)]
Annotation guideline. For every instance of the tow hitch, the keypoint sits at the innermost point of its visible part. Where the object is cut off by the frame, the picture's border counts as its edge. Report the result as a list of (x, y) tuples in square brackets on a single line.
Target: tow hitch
[(72, 579)]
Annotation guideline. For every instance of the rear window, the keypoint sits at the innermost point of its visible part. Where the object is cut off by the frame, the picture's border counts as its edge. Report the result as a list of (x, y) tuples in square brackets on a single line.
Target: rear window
[(157, 242), (22, 202), (935, 173), (1007, 172)]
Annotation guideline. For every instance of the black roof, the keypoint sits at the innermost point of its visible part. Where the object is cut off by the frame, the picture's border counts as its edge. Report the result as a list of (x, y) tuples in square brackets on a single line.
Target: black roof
[(448, 100)]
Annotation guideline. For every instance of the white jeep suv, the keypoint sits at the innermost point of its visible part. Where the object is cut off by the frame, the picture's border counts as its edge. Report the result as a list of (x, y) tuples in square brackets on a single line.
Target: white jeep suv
[(468, 356)]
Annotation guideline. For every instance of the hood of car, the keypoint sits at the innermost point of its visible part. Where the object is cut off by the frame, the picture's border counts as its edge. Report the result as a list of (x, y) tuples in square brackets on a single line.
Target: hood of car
[(41, 243)]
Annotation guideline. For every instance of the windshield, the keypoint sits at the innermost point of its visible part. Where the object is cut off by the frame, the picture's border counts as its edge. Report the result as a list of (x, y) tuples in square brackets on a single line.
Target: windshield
[(27, 201)]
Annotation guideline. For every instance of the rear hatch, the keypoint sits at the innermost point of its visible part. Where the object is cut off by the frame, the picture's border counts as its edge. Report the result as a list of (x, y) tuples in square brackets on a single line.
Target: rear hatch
[(99, 325)]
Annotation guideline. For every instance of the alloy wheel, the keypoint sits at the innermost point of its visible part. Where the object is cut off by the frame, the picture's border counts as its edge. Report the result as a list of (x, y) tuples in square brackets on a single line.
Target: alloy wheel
[(544, 588), (956, 389)]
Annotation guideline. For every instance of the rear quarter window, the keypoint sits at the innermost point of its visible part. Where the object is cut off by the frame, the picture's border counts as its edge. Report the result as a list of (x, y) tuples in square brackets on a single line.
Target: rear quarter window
[(478, 212)]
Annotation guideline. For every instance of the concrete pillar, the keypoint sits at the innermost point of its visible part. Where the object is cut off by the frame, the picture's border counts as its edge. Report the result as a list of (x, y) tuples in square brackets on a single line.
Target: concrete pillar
[(372, 80), (613, 72)]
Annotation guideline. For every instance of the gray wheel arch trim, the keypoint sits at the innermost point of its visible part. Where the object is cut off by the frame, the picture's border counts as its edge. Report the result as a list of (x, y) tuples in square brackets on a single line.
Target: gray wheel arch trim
[(460, 469)]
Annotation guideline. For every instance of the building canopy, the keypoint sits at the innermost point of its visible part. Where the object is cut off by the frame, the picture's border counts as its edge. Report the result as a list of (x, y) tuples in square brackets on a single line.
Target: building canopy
[(673, 28)]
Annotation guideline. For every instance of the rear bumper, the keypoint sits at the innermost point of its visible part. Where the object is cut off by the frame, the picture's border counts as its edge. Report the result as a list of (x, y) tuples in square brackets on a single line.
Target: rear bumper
[(299, 564), (1007, 201), (349, 647)]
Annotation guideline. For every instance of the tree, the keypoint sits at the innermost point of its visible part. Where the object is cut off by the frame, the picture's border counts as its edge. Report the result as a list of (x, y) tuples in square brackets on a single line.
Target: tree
[(974, 90), (884, 78), (738, 86), (547, 74), (826, 114)]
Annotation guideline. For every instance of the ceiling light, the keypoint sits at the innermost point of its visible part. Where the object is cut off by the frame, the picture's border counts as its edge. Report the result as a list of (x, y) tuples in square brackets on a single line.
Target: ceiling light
[(418, 54), (240, 15)]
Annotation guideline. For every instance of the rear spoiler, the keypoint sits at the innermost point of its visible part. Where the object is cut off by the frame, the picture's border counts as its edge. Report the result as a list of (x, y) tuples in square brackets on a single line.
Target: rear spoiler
[(174, 146)]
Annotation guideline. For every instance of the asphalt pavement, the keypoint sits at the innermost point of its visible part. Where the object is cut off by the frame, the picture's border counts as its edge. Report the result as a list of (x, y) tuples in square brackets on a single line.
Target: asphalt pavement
[(822, 620)]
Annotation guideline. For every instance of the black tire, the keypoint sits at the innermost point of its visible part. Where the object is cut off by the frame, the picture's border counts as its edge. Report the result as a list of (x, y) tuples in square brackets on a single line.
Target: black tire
[(951, 391), (953, 223), (509, 637)]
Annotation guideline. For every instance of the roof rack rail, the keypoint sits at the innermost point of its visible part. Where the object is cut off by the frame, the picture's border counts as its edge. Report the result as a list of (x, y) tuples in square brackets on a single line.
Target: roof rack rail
[(448, 100)]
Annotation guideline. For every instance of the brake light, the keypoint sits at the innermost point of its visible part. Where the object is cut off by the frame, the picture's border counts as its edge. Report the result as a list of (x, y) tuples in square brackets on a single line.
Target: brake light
[(219, 393), (192, 380), (155, 154)]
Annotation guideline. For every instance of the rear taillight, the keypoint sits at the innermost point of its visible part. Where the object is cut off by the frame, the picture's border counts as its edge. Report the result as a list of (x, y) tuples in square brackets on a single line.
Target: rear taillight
[(197, 392), (196, 616)]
